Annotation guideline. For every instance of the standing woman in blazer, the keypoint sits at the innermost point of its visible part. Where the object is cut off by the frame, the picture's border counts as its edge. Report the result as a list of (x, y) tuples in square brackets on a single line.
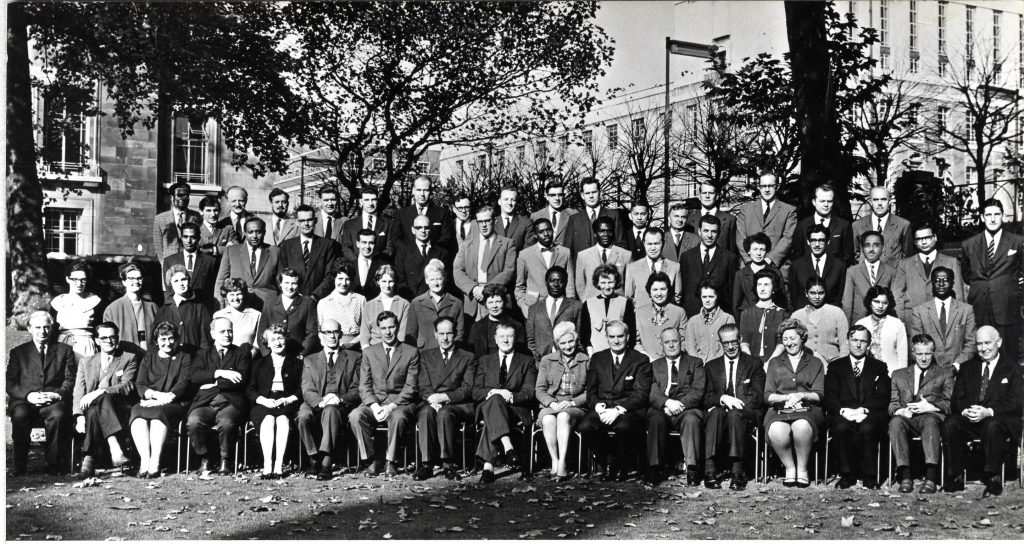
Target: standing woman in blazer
[(759, 323), (561, 390), (134, 314), (163, 385), (609, 305), (794, 386), (273, 391)]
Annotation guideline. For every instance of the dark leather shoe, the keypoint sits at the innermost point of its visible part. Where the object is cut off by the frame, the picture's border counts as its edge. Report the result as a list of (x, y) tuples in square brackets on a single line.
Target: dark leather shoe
[(424, 472), (562, 479), (152, 475), (954, 484), (87, 470), (225, 467), (907, 486), (711, 481), (313, 469), (928, 487), (268, 476), (845, 482), (621, 476), (738, 483), (487, 477), (372, 469), (692, 478), (654, 476), (871, 482), (325, 473), (389, 469), (451, 472), (512, 460), (993, 487), (204, 466)]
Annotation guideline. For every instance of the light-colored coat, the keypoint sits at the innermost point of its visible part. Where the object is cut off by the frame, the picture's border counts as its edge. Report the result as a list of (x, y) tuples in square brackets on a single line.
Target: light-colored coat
[(549, 378), (289, 229), (235, 264), (779, 227), (369, 333), (954, 345), (384, 383), (936, 388), (587, 262), (919, 286), (636, 281), (166, 238), (119, 379), (530, 272), (500, 265), (560, 229), (858, 282)]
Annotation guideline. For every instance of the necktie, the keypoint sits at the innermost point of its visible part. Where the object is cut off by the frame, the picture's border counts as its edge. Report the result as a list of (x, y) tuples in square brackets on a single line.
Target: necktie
[(655, 267), (767, 208), (104, 364), (678, 236), (879, 225), (817, 266), (593, 215), (856, 368), (42, 352), (503, 372), (305, 253), (444, 357), (330, 361), (180, 218), (990, 255), (604, 256), (238, 226), (462, 230), (618, 360), (942, 317), (369, 222), (821, 220), (387, 355), (707, 259), (730, 388), (328, 227), (920, 380), (871, 273), (984, 381), (220, 352), (927, 267), (673, 375), (277, 229), (423, 250), (507, 221), (553, 310), (188, 263), (252, 263), (554, 221)]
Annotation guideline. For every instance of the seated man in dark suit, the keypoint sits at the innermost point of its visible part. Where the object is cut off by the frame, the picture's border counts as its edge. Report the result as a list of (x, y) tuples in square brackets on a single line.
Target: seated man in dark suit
[(330, 391), (218, 377), (503, 391), (987, 403), (734, 401), (202, 268), (40, 381), (296, 312), (446, 389), (388, 378), (481, 333), (918, 405), (677, 394), (104, 395), (817, 262), (311, 255), (618, 386), (856, 396), (414, 253)]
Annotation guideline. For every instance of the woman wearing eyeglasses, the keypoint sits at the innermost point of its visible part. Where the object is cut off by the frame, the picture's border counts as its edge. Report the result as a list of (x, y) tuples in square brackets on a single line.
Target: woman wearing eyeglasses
[(75, 312), (134, 313)]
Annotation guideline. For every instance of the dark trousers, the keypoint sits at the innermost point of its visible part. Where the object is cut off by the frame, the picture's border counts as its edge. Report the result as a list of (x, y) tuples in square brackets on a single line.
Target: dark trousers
[(57, 422), (499, 417), (997, 433), (322, 430), (687, 423), (363, 424), (438, 429), (105, 417), (927, 426), (202, 420), (727, 427), (628, 427), (857, 443)]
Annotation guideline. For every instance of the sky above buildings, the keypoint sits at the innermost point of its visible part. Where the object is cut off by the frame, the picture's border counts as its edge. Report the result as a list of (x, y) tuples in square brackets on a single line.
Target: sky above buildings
[(639, 29)]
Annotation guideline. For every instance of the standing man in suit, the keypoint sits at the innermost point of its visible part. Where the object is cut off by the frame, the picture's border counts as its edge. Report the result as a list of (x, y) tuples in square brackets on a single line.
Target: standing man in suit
[(367, 265), (510, 224), (166, 237), (103, 399), (310, 255), (234, 223), (486, 258), (503, 390), (818, 262), (767, 215), (388, 382), (857, 391), (253, 262), (40, 382), (894, 228), (580, 231), (212, 238), (330, 391), (281, 226), (604, 252), (330, 221), (463, 222), (534, 263), (618, 391), (986, 405), (917, 269), (638, 271), (708, 196), (548, 311), (414, 256), (949, 322), (677, 240), (218, 377), (919, 404), (995, 264), (383, 229), (293, 310), (202, 268), (555, 211), (870, 271), (633, 240), (446, 391), (708, 261), (676, 397), (441, 229), (735, 403), (840, 241)]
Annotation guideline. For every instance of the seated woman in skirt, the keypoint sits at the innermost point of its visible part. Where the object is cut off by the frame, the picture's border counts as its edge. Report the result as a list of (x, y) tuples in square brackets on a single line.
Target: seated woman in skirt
[(273, 391), (561, 390)]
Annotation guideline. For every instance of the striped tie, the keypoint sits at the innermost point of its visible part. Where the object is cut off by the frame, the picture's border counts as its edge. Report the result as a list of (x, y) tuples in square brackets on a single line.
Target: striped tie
[(305, 254), (990, 256)]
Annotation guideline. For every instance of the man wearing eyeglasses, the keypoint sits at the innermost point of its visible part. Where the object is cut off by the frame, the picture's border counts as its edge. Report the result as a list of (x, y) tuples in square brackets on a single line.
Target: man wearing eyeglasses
[(767, 215), (103, 398), (415, 252), (311, 255), (440, 227), (464, 226), (555, 211), (918, 268)]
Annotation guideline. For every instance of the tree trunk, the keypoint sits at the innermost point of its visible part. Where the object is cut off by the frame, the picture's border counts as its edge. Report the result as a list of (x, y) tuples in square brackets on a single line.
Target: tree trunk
[(29, 285)]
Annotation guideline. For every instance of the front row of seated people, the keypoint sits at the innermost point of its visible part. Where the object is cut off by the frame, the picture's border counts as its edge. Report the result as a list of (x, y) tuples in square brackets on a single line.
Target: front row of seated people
[(616, 398)]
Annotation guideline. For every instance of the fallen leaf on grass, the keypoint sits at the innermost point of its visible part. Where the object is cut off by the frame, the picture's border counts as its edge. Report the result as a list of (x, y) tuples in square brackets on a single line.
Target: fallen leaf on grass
[(119, 507), (387, 536), (847, 521), (901, 532), (161, 528), (532, 534), (874, 505), (54, 537), (523, 489), (88, 482), (633, 525)]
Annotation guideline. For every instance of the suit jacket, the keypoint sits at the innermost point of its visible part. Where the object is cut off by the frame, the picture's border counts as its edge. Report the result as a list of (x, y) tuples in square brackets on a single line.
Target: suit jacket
[(212, 240), (122, 314), (539, 326), (385, 230), (442, 226), (369, 288), (518, 227), (232, 234), (422, 314), (166, 238), (840, 245), (203, 366), (802, 269), (409, 267), (202, 279), (521, 379), (580, 230), (779, 226), (919, 285), (383, 382), (629, 387), (995, 285), (721, 271), (300, 320), (955, 344), (314, 378), (587, 262), (261, 378), (748, 387), (561, 229), (689, 390), (118, 380), (858, 283), (336, 225), (687, 242), (289, 229), (936, 388), (633, 243), (500, 265), (636, 281), (899, 238), (454, 379), (727, 232), (481, 335), (550, 372), (317, 279), (26, 373), (235, 264), (530, 271), (843, 391), (1003, 395)]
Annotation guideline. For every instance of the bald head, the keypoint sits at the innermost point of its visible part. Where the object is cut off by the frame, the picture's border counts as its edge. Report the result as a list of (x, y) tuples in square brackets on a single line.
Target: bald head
[(988, 342)]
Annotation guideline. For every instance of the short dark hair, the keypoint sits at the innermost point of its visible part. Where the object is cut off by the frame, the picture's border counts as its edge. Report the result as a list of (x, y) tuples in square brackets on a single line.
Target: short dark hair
[(878, 290), (815, 281), (865, 235), (329, 189), (252, 219), (556, 270), (277, 192), (305, 208), (757, 237), (290, 272), (658, 277), (603, 220), (442, 319), (654, 230), (990, 202), (189, 225), (79, 266), (368, 190), (922, 226), (179, 185), (209, 201), (540, 221), (824, 187), (711, 220), (494, 290), (607, 270), (922, 338), (365, 232), (858, 328), (163, 328), (767, 273), (947, 270), (728, 327), (553, 184), (818, 228), (124, 269), (233, 284), (385, 315), (588, 181)]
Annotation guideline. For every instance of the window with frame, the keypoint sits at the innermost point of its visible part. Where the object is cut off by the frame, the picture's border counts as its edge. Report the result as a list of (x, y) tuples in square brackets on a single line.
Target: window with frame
[(542, 151), (613, 136), (521, 154), (969, 124), (64, 147), (971, 175), (481, 161), (588, 140), (942, 28), (883, 17), (62, 230), (884, 57), (969, 28), (942, 118), (913, 26), (996, 35), (460, 168), (563, 145), (422, 167), (639, 127), (190, 159)]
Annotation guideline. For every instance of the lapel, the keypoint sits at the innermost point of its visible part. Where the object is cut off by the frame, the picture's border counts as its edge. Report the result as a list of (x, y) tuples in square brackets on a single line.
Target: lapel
[(622, 372), (771, 211), (48, 360), (867, 382), (489, 256), (115, 364), (262, 261), (933, 316), (918, 268), (851, 379), (316, 247), (394, 358), (1002, 370)]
